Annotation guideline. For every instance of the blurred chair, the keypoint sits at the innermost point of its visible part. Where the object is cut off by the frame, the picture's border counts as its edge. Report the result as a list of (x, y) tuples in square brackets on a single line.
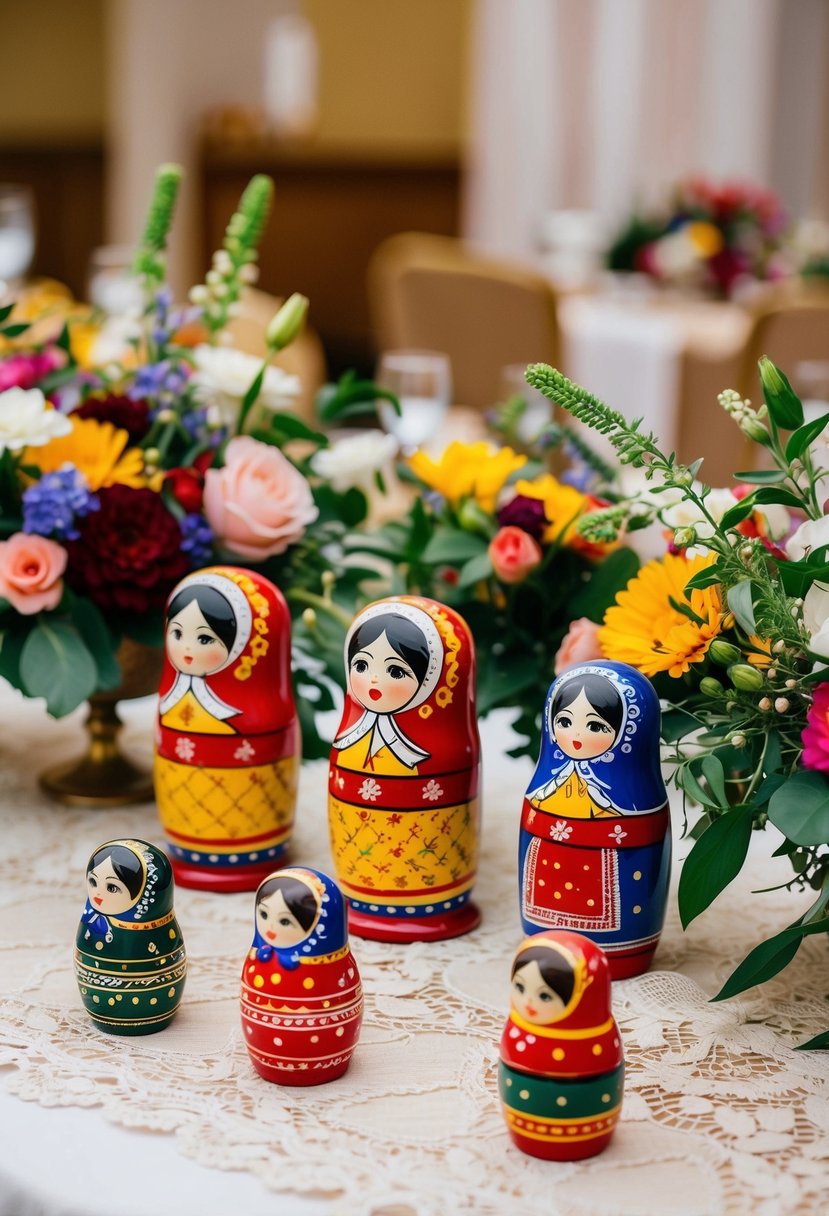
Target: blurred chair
[(791, 327), (433, 293), (303, 358)]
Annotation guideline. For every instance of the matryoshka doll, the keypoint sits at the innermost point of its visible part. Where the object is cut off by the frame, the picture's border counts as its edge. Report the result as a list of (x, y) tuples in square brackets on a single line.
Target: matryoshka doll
[(561, 1073), (404, 770), (595, 842), (227, 736), (130, 961), (302, 1001)]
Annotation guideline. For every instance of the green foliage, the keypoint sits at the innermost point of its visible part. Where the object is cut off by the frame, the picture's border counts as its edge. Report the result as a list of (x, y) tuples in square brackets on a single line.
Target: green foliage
[(55, 664), (715, 859)]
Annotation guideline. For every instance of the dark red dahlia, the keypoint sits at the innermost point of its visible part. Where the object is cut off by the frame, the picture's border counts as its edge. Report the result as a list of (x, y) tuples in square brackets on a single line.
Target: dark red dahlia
[(525, 513), (130, 416), (128, 556)]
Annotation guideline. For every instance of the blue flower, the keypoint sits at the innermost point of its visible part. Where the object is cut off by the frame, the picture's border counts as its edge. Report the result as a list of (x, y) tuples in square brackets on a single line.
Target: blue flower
[(197, 539), (51, 505)]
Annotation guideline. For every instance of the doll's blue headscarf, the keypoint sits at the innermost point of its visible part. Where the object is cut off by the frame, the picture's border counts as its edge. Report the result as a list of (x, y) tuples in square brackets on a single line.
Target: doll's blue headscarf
[(628, 774), (327, 935)]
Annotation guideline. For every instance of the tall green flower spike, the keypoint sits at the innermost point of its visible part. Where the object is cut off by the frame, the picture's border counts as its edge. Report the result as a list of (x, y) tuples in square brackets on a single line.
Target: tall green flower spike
[(234, 264), (149, 261)]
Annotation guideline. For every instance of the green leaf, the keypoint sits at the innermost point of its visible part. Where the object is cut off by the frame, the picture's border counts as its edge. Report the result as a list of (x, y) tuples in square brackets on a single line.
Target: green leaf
[(804, 436), (782, 401), (294, 428), (714, 861), (761, 477), (149, 629), (452, 547), (676, 723), (820, 1040), (14, 331), (253, 392), (741, 604), (702, 579), (784, 497), (686, 780), (800, 808), (768, 958), (6, 311), (606, 580), (11, 647), (475, 569), (797, 577), (99, 642), (736, 514), (712, 771), (56, 664)]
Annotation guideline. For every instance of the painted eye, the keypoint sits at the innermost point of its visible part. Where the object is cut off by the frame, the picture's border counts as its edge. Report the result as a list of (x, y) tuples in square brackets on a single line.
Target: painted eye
[(545, 996), (285, 922), (396, 672), (175, 632), (598, 728), (113, 889), (519, 987), (92, 880), (263, 914), (360, 666), (205, 639), (564, 722)]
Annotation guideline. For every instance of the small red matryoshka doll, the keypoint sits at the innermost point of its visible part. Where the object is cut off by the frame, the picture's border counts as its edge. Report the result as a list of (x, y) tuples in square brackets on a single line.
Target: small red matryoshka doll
[(403, 810), (561, 1074), (301, 999), (227, 735)]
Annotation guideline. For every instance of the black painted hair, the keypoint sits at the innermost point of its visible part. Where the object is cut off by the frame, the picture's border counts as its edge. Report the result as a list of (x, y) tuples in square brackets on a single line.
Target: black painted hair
[(215, 609), (600, 692), (556, 972), (403, 635), (299, 898), (125, 863)]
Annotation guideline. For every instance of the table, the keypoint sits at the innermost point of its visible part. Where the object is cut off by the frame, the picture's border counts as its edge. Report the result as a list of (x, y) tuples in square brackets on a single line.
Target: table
[(664, 360), (720, 1116)]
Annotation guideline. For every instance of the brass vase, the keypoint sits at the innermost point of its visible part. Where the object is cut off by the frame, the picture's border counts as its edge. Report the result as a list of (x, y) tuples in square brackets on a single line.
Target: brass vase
[(103, 776)]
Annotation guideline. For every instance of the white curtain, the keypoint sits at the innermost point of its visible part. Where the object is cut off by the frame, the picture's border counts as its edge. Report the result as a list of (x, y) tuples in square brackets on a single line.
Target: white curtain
[(603, 104)]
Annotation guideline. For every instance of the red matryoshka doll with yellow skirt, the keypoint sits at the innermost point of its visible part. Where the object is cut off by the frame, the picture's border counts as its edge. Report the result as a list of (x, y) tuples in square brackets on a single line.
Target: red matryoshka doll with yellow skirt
[(227, 737), (302, 1001), (595, 841), (404, 770), (561, 1073)]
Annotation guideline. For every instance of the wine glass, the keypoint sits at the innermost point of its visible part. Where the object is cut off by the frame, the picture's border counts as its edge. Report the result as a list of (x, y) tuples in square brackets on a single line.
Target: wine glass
[(112, 284), (17, 234), (538, 410), (422, 382)]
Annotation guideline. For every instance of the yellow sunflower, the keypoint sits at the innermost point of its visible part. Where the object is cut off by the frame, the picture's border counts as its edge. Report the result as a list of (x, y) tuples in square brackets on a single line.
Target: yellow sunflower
[(644, 628), (96, 449), (468, 469)]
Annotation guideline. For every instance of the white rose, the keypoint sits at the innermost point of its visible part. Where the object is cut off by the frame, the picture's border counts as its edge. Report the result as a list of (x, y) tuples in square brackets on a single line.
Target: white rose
[(811, 535), (26, 421), (816, 613), (687, 514), (224, 375), (777, 520), (354, 461)]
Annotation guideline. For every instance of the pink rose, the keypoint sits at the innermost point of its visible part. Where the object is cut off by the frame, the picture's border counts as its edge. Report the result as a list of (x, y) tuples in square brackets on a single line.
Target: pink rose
[(579, 645), (30, 572), (258, 504), (513, 554)]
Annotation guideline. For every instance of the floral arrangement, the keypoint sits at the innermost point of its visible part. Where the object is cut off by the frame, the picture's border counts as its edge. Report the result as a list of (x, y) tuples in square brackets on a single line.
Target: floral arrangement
[(492, 533), (709, 237), (119, 475), (731, 623)]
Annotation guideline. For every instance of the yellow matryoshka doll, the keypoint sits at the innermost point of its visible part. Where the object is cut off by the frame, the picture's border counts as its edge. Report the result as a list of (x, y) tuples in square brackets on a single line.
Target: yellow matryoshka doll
[(403, 809), (227, 736)]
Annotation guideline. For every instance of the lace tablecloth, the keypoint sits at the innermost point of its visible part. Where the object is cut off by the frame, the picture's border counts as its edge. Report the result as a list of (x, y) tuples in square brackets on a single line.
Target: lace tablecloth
[(721, 1114)]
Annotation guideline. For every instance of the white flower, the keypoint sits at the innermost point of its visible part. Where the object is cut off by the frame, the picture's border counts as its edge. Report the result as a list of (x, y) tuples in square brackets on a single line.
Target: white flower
[(369, 790), (617, 833), (26, 421), (687, 514), (560, 830), (777, 520), (353, 461), (244, 751), (224, 375), (432, 791), (811, 535), (185, 748)]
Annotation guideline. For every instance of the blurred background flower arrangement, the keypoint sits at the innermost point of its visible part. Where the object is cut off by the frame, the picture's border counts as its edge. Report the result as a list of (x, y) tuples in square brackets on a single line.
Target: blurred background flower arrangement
[(718, 239), (731, 623), (129, 458)]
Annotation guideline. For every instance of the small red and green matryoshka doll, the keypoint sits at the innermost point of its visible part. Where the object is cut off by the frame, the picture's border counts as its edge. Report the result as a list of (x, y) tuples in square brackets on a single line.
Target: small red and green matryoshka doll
[(301, 998), (403, 809), (561, 1073), (227, 736), (130, 962)]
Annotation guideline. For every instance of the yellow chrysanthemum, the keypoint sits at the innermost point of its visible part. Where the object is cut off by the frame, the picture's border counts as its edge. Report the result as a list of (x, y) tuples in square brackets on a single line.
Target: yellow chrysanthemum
[(706, 238), (468, 469), (644, 628), (96, 449), (562, 505)]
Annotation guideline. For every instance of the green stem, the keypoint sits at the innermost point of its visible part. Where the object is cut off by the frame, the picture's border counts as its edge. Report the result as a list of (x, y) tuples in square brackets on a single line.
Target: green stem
[(299, 595)]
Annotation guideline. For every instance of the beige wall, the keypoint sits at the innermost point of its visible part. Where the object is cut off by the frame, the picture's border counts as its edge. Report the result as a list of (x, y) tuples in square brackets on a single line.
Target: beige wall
[(52, 76)]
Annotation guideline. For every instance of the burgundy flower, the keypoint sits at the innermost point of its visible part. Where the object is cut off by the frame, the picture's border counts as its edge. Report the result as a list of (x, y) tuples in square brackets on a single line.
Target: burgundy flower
[(130, 416), (525, 513), (128, 556)]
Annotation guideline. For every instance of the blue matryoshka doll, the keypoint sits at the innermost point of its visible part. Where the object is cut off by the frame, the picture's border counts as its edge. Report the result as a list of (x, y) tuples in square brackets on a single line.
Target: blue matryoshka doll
[(595, 842)]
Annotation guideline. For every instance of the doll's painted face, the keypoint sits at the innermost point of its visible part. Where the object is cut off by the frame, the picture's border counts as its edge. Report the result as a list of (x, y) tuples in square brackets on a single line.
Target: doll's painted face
[(277, 923), (192, 646), (107, 892), (380, 678), (533, 998), (580, 731)]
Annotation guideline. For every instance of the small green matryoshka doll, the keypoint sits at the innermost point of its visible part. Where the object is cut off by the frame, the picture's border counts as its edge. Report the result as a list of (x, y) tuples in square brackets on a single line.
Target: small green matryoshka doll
[(130, 961)]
